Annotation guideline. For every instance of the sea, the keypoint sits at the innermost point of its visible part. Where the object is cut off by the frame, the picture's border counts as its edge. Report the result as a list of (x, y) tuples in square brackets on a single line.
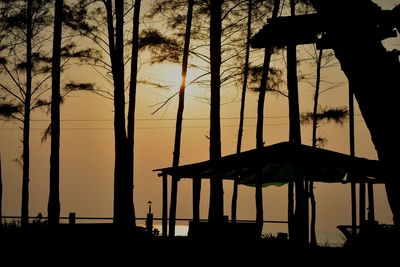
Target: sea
[(327, 239)]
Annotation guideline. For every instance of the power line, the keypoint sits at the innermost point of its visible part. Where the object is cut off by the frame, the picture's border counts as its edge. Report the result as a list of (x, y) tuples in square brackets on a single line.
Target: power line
[(157, 119), (150, 127), (152, 119)]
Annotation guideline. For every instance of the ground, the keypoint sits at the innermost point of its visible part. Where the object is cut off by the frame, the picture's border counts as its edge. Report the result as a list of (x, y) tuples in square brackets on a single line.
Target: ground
[(107, 245)]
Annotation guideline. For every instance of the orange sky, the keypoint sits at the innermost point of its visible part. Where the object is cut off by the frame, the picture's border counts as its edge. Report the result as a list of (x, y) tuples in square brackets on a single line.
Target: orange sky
[(87, 153)]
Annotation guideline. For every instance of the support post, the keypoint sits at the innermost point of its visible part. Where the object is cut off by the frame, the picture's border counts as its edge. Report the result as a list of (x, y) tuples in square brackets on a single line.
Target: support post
[(149, 220), (172, 207), (164, 204), (72, 218), (371, 205), (362, 205), (196, 198)]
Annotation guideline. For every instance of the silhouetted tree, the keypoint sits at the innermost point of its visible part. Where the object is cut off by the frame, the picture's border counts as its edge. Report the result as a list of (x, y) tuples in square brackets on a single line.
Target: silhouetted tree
[(123, 209), (178, 129), (102, 22), (132, 104), (53, 207), (352, 41), (313, 236), (23, 21), (300, 217), (232, 45), (216, 208), (242, 107), (27, 115), (26, 26), (260, 123), (352, 154), (336, 115)]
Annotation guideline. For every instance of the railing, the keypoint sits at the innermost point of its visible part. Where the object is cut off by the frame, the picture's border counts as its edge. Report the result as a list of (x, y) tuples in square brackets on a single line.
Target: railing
[(138, 219), (141, 221)]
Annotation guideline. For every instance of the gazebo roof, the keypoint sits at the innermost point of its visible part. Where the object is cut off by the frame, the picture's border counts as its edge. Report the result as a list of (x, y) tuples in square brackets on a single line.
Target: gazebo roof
[(281, 163)]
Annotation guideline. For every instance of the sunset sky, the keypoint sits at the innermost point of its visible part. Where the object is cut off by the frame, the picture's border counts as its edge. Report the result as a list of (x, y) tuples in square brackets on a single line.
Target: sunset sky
[(87, 147)]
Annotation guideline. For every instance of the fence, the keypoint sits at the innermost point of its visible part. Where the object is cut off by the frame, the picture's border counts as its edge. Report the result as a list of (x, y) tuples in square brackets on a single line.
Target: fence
[(182, 223)]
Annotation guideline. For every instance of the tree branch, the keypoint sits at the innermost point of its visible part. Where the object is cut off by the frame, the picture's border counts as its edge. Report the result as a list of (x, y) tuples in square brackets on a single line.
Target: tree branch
[(11, 93), (162, 104)]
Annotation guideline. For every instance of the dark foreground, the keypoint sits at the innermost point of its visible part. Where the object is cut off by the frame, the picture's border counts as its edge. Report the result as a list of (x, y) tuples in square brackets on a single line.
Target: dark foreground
[(90, 246)]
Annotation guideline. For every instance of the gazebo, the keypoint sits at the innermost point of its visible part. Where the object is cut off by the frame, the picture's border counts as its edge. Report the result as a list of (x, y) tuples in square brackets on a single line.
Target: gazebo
[(280, 163)]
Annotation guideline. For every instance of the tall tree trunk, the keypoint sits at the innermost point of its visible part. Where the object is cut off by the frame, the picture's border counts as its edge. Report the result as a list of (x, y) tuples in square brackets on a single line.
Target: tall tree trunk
[(301, 218), (242, 106), (27, 118), (354, 41), (260, 125), (53, 208), (259, 138), (132, 107), (353, 194), (216, 209), (121, 216), (179, 118), (1, 195), (313, 236), (122, 206)]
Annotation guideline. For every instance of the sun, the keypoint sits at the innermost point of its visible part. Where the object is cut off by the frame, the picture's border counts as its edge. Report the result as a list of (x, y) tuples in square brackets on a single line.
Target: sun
[(171, 76)]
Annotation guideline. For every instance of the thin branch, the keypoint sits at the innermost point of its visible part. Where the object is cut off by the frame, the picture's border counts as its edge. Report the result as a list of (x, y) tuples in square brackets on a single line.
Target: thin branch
[(198, 78), (231, 9), (40, 94), (98, 60), (201, 56), (11, 93), (106, 77), (40, 84), (104, 93), (163, 103), (95, 39), (17, 118)]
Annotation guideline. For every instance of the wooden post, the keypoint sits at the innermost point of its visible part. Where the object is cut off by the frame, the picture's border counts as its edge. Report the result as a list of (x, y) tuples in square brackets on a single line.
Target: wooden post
[(72, 218), (371, 206), (172, 207), (362, 204), (149, 221), (164, 204), (196, 198)]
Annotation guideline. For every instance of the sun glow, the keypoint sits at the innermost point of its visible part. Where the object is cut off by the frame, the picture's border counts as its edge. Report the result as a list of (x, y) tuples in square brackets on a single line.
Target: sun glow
[(170, 77)]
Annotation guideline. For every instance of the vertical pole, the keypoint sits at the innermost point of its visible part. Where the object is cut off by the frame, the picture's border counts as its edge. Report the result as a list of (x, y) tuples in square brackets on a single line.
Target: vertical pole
[(172, 207), (352, 154), (164, 204), (362, 204), (290, 210), (149, 221), (1, 196), (72, 218), (371, 206), (196, 198)]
